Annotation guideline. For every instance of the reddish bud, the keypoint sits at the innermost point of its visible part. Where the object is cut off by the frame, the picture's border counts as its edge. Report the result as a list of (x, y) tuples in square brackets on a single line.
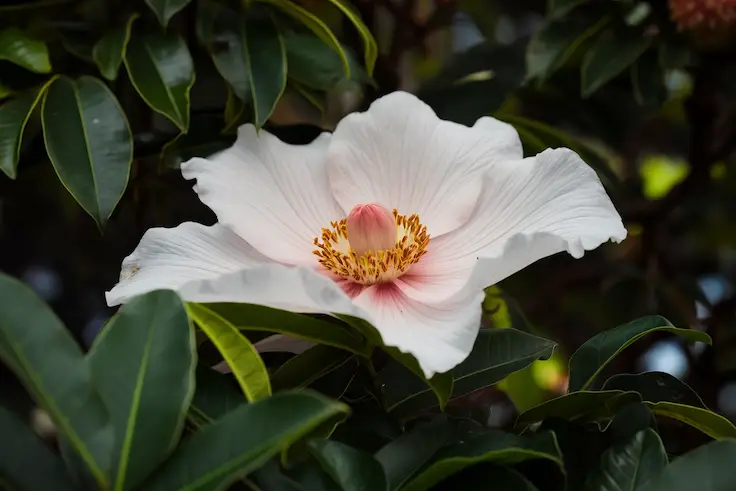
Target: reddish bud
[(371, 228)]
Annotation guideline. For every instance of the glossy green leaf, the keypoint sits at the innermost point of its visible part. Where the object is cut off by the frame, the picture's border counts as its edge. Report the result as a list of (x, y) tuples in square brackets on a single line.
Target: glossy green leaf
[(612, 53), (142, 365), (242, 441), (161, 70), (402, 458), (353, 470), (109, 51), (18, 47), (708, 468), (37, 347), (242, 357), (440, 384), (370, 47), (710, 423), (588, 361), (26, 463), (655, 387), (260, 318), (492, 446), (579, 405), (630, 466), (217, 394), (166, 9), (221, 31), (14, 116), (313, 63), (89, 143), (306, 367), (630, 420)]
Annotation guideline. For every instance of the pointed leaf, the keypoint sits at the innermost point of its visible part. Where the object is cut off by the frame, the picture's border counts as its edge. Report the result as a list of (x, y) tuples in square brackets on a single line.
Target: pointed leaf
[(89, 143), (655, 387), (19, 48), (613, 52), (242, 441), (588, 361), (161, 70), (265, 60), (577, 405), (314, 64), (353, 470), (306, 367), (40, 351), (708, 468), (216, 395), (109, 51), (240, 355), (143, 367), (166, 9), (369, 43), (710, 423)]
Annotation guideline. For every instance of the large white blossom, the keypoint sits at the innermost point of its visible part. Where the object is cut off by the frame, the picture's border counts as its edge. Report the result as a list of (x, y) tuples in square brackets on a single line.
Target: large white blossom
[(397, 217)]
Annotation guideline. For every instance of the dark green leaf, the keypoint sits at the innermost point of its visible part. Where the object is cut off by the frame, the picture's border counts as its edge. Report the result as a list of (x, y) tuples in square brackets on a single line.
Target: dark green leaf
[(19, 48), (161, 70), (109, 51), (315, 64), (675, 53), (478, 478), (166, 9), (710, 423), (26, 462), (242, 440), (39, 349), (648, 81), (352, 469), (89, 143), (709, 468), (613, 52), (630, 420), (143, 367), (493, 446), (306, 367), (369, 43), (588, 361), (655, 387), (578, 405), (559, 8), (440, 384), (14, 116), (630, 466), (216, 395)]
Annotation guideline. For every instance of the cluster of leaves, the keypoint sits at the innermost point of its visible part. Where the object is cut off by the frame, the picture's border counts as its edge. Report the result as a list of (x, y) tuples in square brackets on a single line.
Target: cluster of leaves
[(143, 409), (75, 87)]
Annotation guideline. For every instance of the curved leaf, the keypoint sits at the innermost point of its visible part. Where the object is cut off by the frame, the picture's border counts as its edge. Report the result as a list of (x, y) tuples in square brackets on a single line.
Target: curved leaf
[(370, 47), (40, 351), (588, 361), (708, 468), (306, 367), (655, 387), (216, 395), (26, 463), (89, 143), (143, 367), (576, 405), (19, 48), (109, 51), (161, 70), (238, 352), (14, 116), (352, 469), (314, 64), (710, 423), (243, 440), (611, 54), (166, 9)]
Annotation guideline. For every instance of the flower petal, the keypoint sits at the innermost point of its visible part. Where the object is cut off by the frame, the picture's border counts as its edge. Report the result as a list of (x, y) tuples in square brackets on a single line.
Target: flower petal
[(274, 195), (401, 155), (529, 209), (167, 258), (439, 336)]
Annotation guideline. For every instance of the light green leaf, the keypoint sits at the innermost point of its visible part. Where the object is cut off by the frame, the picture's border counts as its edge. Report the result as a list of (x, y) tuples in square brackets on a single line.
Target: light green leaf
[(109, 51), (242, 357), (369, 43), (708, 468), (353, 470), (161, 70), (89, 143), (166, 9), (588, 361), (579, 405), (18, 47), (710, 423), (37, 347), (143, 367), (613, 52)]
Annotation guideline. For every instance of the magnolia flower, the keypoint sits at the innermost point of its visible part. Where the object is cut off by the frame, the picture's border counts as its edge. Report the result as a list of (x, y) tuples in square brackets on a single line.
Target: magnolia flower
[(398, 217)]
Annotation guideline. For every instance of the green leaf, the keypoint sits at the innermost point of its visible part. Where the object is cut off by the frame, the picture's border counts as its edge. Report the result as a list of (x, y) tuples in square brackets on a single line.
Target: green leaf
[(708, 468), (441, 384), (259, 318), (89, 143), (353, 470), (216, 395), (403, 457), (647, 79), (655, 387), (612, 53), (242, 357), (370, 47), (142, 365), (166, 9), (710, 423), (19, 48), (14, 116), (243, 440), (629, 467), (161, 70), (559, 8), (492, 446), (503, 479), (313, 63), (630, 420), (306, 367), (109, 51), (588, 361), (26, 463), (579, 405), (37, 347)]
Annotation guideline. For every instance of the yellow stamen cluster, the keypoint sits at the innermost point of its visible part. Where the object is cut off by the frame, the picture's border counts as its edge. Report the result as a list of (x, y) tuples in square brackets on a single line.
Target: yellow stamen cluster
[(335, 254)]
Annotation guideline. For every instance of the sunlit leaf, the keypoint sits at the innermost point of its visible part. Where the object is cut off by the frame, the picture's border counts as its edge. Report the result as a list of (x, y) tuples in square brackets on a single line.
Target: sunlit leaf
[(18, 47)]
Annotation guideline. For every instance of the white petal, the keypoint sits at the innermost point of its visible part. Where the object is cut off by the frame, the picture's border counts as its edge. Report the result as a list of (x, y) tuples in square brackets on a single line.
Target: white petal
[(167, 258), (439, 336), (274, 195), (401, 155), (528, 210)]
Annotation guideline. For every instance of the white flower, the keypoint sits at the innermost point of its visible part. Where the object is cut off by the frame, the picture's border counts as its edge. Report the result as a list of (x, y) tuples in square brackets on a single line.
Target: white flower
[(456, 209)]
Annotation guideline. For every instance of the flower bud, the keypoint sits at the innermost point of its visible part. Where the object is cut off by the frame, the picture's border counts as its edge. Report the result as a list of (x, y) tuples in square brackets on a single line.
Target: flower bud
[(371, 228)]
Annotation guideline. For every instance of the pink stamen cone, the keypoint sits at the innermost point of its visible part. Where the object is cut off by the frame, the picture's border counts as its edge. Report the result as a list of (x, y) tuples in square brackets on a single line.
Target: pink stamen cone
[(371, 228)]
